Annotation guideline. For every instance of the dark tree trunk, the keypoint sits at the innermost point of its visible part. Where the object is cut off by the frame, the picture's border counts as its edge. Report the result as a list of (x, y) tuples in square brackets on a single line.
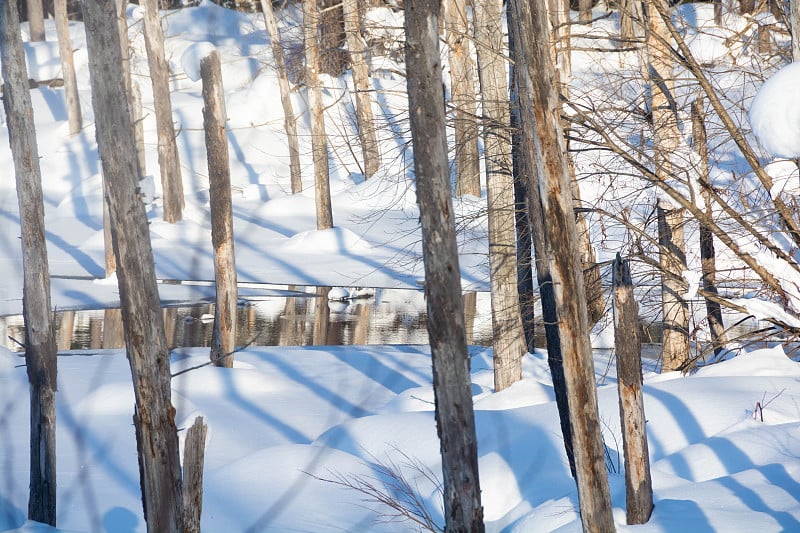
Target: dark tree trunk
[(638, 486), (145, 338), (451, 366), (40, 341), (542, 119), (223, 339)]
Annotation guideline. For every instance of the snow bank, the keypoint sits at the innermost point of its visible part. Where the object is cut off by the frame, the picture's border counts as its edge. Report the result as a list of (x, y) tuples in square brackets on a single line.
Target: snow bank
[(775, 112)]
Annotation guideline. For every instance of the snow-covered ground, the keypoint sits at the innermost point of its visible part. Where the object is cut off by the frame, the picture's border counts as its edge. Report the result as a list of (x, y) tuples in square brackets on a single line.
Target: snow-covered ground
[(285, 420)]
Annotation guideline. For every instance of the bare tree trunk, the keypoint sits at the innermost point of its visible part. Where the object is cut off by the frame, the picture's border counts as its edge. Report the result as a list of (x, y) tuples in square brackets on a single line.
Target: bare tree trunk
[(509, 338), (332, 57), (223, 339), (462, 96), (36, 20), (794, 27), (289, 122), (536, 72), (560, 26), (708, 260), (585, 11), (319, 140), (322, 317), (630, 22), (168, 159), (529, 165), (40, 341), (193, 460), (666, 141), (68, 67), (156, 434), (638, 485), (451, 367), (358, 60)]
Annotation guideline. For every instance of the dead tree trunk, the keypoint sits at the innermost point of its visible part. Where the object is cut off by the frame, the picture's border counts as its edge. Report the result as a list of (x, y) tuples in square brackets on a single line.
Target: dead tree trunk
[(36, 19), (528, 163), (145, 339), (40, 341), (638, 486), (168, 159), (319, 139), (536, 72), (358, 61), (708, 259), (794, 28), (223, 339), (68, 67), (666, 141), (462, 97), (585, 11), (451, 368), (193, 460), (289, 122), (509, 338)]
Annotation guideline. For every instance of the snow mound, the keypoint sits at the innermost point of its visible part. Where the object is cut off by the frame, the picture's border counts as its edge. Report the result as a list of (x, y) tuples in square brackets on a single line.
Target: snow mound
[(334, 240), (194, 53), (765, 362), (775, 112)]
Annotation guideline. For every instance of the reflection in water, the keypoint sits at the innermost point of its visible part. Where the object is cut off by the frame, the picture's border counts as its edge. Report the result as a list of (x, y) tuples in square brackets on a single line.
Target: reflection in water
[(387, 316)]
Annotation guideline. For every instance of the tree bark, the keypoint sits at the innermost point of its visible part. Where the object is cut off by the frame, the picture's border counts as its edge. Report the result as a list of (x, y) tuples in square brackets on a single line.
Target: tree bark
[(289, 122), (509, 338), (529, 165), (193, 460), (223, 338), (145, 339), (319, 140), (358, 61), (638, 485), (36, 20), (451, 367), (68, 67), (585, 11), (537, 73), (666, 141), (708, 260), (168, 159), (794, 27), (462, 97), (40, 341)]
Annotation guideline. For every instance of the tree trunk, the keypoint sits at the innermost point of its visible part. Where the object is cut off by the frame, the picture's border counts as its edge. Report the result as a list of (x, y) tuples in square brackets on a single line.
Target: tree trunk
[(322, 317), (666, 141), (289, 122), (332, 57), (794, 27), (36, 19), (451, 367), (68, 67), (193, 460), (319, 140), (638, 485), (529, 165), (223, 339), (462, 96), (358, 60), (536, 72), (509, 338), (145, 339), (40, 341), (708, 260), (168, 159), (585, 11)]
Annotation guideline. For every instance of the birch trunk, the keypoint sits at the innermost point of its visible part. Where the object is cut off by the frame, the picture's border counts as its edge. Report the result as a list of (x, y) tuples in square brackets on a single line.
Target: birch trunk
[(451, 368), (358, 61), (319, 140), (35, 20), (509, 338), (289, 122), (145, 338), (40, 341)]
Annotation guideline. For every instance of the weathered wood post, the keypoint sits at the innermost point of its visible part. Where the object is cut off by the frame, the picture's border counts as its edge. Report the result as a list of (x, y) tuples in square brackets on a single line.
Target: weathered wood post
[(638, 486), (193, 460), (40, 341), (223, 339)]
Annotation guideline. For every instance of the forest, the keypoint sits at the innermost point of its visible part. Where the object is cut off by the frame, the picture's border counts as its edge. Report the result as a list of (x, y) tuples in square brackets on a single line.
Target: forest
[(588, 211)]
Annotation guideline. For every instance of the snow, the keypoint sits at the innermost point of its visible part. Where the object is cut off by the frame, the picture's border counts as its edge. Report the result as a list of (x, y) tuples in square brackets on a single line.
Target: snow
[(775, 112), (286, 423)]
